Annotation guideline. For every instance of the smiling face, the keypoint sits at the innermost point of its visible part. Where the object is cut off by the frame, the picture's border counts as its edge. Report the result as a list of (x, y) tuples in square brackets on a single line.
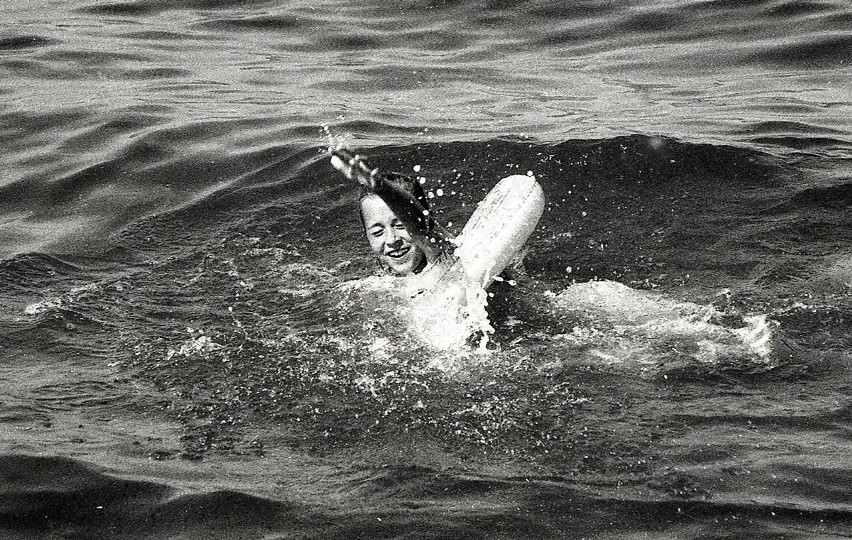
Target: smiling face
[(389, 238)]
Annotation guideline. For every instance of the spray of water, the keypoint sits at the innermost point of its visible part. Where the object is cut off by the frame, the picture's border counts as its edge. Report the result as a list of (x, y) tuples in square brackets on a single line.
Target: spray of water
[(620, 325)]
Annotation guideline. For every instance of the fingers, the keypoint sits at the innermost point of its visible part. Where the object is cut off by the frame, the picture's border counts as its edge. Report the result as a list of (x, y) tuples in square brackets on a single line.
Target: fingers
[(341, 166), (352, 166)]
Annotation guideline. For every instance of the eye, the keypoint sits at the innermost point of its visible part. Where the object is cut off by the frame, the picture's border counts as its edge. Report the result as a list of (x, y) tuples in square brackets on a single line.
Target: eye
[(376, 232), (398, 226)]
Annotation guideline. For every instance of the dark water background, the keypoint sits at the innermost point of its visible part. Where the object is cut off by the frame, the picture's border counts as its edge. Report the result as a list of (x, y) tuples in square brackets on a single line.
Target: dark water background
[(190, 346)]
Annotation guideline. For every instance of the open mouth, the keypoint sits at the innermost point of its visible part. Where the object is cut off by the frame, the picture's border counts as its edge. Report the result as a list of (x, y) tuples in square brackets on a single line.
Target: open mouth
[(398, 253)]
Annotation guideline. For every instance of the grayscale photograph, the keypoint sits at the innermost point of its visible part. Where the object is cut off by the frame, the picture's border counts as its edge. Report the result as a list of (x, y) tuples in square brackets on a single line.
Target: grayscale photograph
[(425, 269)]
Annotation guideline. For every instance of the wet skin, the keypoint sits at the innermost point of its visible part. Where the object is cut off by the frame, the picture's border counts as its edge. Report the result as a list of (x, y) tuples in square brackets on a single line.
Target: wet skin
[(388, 237)]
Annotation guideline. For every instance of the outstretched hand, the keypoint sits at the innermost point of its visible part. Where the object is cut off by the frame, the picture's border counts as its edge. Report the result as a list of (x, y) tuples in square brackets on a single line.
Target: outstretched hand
[(353, 167)]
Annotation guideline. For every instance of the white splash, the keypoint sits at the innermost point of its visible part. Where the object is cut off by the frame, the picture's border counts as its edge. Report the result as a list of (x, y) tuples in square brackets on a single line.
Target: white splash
[(67, 298), (620, 325), (202, 345), (414, 311), (446, 318)]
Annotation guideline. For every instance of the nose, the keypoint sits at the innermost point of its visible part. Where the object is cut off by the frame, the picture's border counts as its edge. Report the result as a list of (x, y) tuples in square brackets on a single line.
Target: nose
[(393, 238), (394, 241)]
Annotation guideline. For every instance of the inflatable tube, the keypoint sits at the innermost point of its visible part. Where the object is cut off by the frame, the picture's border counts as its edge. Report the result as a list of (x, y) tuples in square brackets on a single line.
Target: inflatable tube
[(499, 228), (450, 297)]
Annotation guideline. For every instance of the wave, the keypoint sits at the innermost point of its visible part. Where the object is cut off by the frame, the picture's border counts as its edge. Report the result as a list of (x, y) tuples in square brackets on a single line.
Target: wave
[(791, 134), (153, 170), (55, 493), (153, 7), (160, 171), (804, 143), (76, 65), (787, 127), (281, 22), (35, 267), (824, 50), (52, 494), (15, 43), (828, 199), (835, 197)]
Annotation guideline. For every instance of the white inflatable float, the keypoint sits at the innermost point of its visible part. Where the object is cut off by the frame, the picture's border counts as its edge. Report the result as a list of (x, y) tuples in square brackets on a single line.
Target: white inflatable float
[(450, 298), (499, 228)]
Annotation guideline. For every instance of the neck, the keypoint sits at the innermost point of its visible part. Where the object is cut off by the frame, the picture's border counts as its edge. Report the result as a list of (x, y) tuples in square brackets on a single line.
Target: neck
[(421, 265)]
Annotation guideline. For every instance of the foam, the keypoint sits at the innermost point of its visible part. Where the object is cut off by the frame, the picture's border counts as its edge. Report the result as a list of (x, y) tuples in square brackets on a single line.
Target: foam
[(447, 319), (52, 304), (395, 317), (619, 325), (199, 346)]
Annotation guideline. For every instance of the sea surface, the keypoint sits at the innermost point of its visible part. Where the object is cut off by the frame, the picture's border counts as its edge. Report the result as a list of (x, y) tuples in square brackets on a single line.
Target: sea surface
[(195, 341)]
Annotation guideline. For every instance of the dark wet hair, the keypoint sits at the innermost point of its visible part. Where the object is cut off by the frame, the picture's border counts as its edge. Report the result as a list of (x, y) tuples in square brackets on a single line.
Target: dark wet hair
[(407, 183)]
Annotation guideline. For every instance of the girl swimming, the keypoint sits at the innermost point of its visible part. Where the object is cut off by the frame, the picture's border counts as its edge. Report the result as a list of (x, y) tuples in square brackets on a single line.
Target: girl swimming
[(449, 276), (395, 214), (407, 240)]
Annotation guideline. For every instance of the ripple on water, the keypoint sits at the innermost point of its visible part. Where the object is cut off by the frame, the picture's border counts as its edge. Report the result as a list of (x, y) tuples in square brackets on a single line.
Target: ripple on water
[(16, 43)]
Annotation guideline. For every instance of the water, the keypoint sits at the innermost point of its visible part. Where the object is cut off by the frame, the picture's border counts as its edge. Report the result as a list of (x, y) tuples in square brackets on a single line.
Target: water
[(193, 340)]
